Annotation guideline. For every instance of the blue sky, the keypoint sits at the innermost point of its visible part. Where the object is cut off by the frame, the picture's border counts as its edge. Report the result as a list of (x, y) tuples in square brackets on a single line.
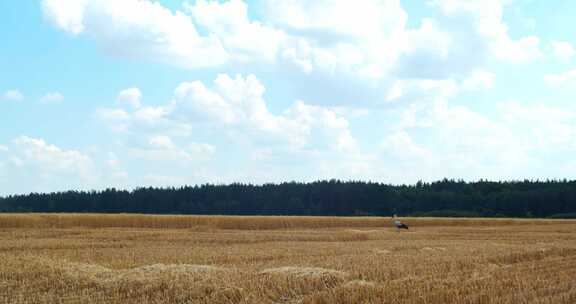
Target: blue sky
[(97, 94)]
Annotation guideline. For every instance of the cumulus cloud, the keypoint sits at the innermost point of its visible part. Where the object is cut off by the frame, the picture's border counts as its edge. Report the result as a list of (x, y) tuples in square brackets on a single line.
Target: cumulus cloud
[(368, 38), (429, 137), (364, 53), (372, 37), (487, 17), (162, 148), (52, 97), (67, 15), (50, 158), (236, 105), (13, 95), (145, 119), (231, 116), (455, 142), (130, 97), (339, 36), (35, 165), (517, 51), (244, 39), (437, 139), (460, 40), (138, 29)]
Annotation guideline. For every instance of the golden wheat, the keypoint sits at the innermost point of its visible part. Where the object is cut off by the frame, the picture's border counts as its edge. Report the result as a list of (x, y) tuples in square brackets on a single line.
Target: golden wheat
[(55, 220), (81, 258)]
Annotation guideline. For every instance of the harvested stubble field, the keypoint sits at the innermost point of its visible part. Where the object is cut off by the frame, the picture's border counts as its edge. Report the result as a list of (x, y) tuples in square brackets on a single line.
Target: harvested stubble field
[(141, 259)]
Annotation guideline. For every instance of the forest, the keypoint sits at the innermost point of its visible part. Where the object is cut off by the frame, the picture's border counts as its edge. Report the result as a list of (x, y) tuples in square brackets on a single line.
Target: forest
[(445, 198)]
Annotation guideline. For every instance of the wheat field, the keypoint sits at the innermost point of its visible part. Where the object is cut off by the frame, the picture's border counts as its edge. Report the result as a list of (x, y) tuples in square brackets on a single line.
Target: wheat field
[(75, 258)]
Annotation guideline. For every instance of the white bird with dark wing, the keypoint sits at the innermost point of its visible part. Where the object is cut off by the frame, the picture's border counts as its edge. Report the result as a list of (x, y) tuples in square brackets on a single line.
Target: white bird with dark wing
[(399, 225)]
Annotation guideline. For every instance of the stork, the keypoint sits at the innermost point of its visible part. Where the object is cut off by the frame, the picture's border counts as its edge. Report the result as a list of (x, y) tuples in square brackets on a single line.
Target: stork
[(399, 225)]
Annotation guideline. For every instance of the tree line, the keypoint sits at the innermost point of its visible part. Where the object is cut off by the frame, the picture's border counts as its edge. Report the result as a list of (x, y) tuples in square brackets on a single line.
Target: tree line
[(550, 198)]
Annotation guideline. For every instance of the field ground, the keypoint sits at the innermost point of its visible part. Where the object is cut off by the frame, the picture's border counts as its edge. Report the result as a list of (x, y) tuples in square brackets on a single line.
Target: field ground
[(203, 259)]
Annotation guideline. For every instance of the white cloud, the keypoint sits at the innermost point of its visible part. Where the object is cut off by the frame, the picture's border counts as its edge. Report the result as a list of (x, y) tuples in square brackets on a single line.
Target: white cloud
[(330, 35), (457, 142), (339, 36), (479, 80), (143, 120), (460, 40), (520, 51), (138, 29), (235, 103), (234, 111), (245, 40), (566, 79), (322, 124), (13, 95), (130, 97), (400, 145), (52, 97), (429, 38), (339, 19), (68, 15), (436, 139), (563, 50), (480, 23), (162, 148), (238, 104), (35, 165), (195, 99), (51, 158), (364, 50), (336, 42)]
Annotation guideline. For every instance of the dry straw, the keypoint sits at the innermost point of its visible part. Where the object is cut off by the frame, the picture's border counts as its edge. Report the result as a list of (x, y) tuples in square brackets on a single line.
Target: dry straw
[(97, 258)]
